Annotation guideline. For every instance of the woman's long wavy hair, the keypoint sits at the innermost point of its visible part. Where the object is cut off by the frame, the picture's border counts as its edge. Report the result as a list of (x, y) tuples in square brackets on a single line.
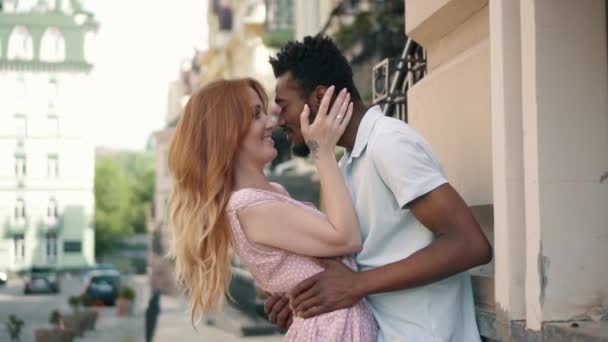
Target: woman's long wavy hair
[(201, 157)]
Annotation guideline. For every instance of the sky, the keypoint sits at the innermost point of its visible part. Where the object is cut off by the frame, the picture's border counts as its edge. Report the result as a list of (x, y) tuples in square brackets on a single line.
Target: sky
[(138, 50)]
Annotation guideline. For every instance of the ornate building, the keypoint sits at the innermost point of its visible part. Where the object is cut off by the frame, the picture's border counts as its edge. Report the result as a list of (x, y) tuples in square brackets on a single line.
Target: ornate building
[(46, 165)]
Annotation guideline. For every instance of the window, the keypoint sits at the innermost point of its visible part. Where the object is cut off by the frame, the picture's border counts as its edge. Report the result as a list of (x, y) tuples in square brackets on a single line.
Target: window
[(280, 14), (53, 125), (20, 125), (51, 247), (223, 10), (66, 6), (19, 209), (20, 45), (52, 92), (52, 166), (52, 46), (45, 5), (20, 165), (53, 209), (72, 246), (24, 6), (19, 247), (9, 6), (90, 47), (21, 92)]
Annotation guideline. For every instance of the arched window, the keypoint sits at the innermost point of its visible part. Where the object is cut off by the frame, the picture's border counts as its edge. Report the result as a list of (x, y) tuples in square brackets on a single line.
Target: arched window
[(66, 6), (9, 6), (52, 47), (20, 45), (25, 6)]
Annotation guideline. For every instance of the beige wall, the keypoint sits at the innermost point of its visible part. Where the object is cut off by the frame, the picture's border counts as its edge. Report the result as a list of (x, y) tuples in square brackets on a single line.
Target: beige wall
[(516, 106), (565, 87), (451, 106)]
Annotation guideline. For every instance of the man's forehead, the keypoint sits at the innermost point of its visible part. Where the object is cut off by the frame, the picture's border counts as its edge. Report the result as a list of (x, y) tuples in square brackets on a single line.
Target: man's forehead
[(286, 84)]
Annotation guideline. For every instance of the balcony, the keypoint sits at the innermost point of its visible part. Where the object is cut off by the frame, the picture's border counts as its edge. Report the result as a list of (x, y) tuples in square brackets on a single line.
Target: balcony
[(16, 225)]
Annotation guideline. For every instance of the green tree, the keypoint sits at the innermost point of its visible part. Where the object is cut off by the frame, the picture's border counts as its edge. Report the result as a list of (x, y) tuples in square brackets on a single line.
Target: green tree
[(112, 199), (139, 169), (124, 189)]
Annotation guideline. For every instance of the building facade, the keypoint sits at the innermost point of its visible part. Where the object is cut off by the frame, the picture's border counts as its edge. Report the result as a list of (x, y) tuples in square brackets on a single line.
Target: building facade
[(235, 49), (46, 164), (515, 106)]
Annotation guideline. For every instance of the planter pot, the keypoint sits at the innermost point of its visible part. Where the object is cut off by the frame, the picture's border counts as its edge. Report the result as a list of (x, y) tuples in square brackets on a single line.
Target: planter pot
[(124, 307), (76, 323), (89, 318), (53, 335)]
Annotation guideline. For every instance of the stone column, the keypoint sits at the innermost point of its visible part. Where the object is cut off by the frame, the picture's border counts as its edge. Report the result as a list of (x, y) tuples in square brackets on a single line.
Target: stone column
[(507, 165), (565, 135)]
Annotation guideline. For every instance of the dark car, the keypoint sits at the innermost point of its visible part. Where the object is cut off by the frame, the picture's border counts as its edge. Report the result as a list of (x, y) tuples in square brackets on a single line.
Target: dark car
[(97, 267), (102, 286), (41, 279)]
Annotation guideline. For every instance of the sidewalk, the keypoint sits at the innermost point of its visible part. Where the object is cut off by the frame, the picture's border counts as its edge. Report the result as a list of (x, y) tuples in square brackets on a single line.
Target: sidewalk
[(174, 325)]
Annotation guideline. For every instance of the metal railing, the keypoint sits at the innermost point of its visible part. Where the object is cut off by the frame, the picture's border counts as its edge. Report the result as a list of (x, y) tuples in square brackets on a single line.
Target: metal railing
[(393, 77)]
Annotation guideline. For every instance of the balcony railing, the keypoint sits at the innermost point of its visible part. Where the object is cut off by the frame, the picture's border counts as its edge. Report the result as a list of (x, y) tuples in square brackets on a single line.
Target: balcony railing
[(393, 77)]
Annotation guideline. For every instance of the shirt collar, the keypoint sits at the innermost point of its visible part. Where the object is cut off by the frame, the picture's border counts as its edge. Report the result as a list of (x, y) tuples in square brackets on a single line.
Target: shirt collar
[(365, 130)]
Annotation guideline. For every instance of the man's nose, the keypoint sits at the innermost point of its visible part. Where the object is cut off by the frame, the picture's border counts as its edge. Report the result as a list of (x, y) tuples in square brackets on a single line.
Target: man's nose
[(280, 120)]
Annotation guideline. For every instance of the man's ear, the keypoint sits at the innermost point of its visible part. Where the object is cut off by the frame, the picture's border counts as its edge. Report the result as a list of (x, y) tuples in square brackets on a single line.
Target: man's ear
[(314, 100)]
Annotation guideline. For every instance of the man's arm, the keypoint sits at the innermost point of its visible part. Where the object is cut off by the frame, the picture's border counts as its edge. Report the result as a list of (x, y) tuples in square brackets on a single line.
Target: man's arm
[(459, 245)]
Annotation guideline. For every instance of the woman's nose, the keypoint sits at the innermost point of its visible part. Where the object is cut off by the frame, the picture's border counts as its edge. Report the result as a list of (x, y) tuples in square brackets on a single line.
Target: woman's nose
[(271, 123)]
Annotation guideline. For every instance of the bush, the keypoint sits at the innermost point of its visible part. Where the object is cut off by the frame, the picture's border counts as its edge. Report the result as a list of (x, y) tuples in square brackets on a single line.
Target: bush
[(74, 302), (86, 300), (127, 293), (55, 317), (14, 325)]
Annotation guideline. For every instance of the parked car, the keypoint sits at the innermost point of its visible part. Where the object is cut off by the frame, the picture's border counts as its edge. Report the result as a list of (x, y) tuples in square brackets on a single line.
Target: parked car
[(97, 267), (102, 286), (41, 279), (3, 277)]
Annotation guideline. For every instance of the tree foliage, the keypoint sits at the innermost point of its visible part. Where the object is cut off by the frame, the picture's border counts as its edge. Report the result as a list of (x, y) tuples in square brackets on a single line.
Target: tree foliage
[(124, 189)]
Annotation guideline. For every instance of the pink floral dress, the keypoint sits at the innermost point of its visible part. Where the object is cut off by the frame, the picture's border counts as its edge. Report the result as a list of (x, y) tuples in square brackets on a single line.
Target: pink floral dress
[(278, 271)]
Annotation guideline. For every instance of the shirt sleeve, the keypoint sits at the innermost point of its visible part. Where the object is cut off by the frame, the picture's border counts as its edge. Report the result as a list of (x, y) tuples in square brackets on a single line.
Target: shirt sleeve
[(407, 166)]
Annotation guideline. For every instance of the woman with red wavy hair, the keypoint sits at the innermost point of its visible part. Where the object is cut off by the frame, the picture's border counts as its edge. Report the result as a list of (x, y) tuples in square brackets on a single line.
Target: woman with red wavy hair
[(222, 202)]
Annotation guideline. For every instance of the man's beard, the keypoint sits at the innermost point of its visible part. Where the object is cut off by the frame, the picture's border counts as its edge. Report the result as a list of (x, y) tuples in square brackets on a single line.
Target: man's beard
[(301, 149)]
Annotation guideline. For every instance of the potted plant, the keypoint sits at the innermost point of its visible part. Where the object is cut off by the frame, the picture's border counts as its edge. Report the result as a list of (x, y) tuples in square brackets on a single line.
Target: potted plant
[(74, 302), (56, 320), (57, 332), (14, 325), (75, 322), (124, 303), (90, 316)]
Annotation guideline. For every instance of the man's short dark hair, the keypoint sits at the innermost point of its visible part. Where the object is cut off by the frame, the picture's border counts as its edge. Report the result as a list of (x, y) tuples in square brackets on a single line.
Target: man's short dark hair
[(313, 62)]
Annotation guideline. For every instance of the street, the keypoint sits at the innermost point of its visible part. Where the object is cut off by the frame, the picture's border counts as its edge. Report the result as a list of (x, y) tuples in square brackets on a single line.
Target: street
[(34, 309), (173, 323)]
